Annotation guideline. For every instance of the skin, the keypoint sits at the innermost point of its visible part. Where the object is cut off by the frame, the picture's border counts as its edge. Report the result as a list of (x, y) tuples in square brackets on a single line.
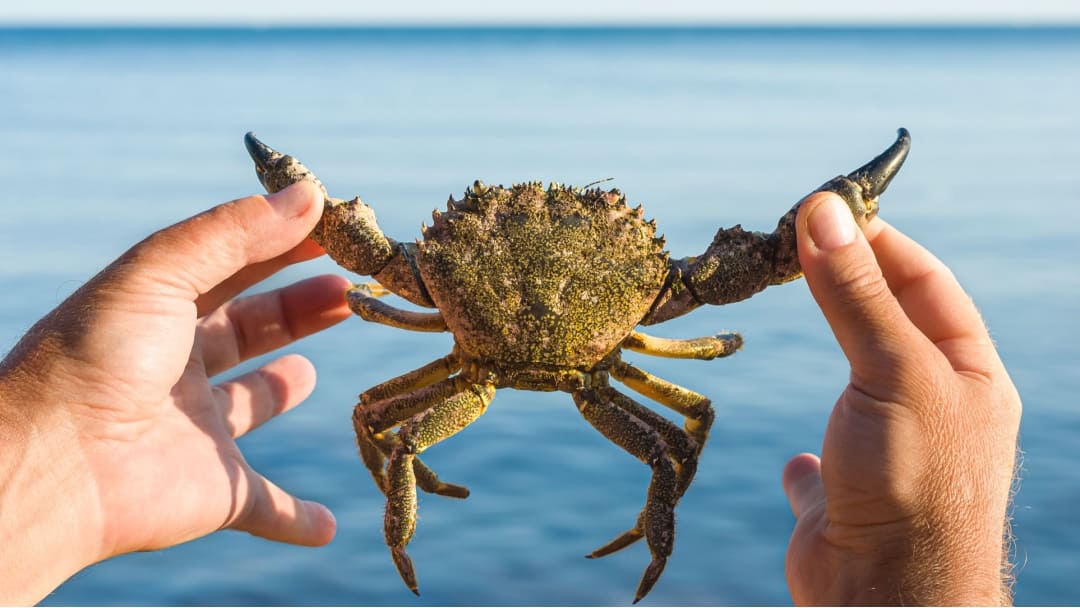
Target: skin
[(114, 438), (109, 405), (908, 502)]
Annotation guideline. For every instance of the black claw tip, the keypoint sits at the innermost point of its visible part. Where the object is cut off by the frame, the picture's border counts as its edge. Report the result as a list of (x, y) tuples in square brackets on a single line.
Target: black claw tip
[(260, 152), (874, 176)]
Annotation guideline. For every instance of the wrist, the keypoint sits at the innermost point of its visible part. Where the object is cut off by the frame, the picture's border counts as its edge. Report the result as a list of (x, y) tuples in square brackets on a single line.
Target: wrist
[(46, 528), (928, 564), (962, 558)]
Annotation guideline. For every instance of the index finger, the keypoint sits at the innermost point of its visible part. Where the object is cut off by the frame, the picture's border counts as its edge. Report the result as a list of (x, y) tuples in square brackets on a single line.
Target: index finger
[(933, 299), (885, 349), (194, 256)]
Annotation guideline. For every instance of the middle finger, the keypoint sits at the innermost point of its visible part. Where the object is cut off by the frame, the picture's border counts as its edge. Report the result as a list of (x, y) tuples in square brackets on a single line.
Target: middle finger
[(247, 327)]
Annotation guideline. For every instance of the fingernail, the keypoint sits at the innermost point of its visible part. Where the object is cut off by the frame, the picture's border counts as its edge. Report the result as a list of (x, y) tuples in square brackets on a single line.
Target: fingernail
[(831, 224), (293, 201)]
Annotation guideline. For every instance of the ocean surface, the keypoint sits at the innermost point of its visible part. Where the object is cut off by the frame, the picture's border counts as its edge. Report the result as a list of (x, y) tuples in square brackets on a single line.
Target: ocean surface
[(109, 134)]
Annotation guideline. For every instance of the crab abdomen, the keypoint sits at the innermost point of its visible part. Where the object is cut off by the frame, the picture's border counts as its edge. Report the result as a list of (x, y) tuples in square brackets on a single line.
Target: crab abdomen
[(554, 277)]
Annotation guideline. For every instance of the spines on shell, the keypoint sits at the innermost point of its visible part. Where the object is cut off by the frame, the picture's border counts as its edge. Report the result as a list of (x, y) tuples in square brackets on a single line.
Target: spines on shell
[(479, 198)]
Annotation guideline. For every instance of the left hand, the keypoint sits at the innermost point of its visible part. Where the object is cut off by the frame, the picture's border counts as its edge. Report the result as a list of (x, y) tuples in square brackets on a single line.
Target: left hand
[(113, 437)]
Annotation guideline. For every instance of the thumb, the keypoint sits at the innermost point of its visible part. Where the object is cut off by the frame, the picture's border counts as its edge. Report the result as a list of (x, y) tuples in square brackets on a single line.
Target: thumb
[(802, 483), (201, 252), (847, 282)]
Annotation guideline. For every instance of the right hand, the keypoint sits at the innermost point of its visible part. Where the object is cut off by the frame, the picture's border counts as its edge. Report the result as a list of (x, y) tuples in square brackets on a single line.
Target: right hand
[(908, 502)]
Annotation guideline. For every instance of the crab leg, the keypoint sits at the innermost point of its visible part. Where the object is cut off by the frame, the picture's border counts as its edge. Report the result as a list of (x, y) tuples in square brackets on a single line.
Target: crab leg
[(439, 369), (388, 413), (645, 442), (687, 443), (684, 445), (426, 479), (358, 244), (376, 447), (739, 263), (706, 347), (697, 408), (362, 301), (425, 429)]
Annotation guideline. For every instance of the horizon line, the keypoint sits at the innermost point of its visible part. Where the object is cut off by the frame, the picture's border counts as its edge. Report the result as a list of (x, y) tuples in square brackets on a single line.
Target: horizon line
[(534, 25)]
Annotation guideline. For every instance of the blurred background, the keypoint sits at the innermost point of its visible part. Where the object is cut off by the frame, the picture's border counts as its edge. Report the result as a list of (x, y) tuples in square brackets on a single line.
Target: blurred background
[(118, 118)]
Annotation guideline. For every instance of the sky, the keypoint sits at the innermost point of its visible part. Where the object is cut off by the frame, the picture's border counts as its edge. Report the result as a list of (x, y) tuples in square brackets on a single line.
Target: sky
[(539, 12)]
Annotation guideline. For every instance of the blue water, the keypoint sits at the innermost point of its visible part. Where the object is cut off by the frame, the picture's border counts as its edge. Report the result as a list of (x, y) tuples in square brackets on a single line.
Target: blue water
[(106, 135)]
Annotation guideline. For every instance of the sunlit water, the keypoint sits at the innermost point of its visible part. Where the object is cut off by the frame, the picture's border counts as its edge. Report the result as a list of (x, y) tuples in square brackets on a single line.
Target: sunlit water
[(108, 135)]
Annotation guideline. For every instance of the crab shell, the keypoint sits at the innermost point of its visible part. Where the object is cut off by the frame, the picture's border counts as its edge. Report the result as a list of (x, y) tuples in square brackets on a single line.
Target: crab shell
[(528, 276)]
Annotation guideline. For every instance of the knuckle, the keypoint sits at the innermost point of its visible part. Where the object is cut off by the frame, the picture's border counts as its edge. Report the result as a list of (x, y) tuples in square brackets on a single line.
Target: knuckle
[(860, 283), (238, 218)]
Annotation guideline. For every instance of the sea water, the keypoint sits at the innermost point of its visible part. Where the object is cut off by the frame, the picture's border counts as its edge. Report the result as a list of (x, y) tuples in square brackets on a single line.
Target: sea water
[(109, 134)]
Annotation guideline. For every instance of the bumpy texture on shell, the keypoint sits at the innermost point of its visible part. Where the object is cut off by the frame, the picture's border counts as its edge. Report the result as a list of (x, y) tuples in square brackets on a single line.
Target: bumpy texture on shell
[(552, 277), (344, 232)]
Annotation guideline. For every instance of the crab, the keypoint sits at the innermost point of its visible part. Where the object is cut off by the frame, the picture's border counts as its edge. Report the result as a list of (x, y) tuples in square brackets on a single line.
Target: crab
[(542, 289)]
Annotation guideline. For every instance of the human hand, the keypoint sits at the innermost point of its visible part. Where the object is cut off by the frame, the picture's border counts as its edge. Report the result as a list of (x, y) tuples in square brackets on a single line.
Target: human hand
[(908, 502), (113, 437)]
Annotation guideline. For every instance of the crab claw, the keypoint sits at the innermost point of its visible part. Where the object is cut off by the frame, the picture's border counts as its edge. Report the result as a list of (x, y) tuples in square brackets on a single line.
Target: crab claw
[(740, 263), (874, 176), (262, 154), (348, 229), (277, 171), (862, 187)]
